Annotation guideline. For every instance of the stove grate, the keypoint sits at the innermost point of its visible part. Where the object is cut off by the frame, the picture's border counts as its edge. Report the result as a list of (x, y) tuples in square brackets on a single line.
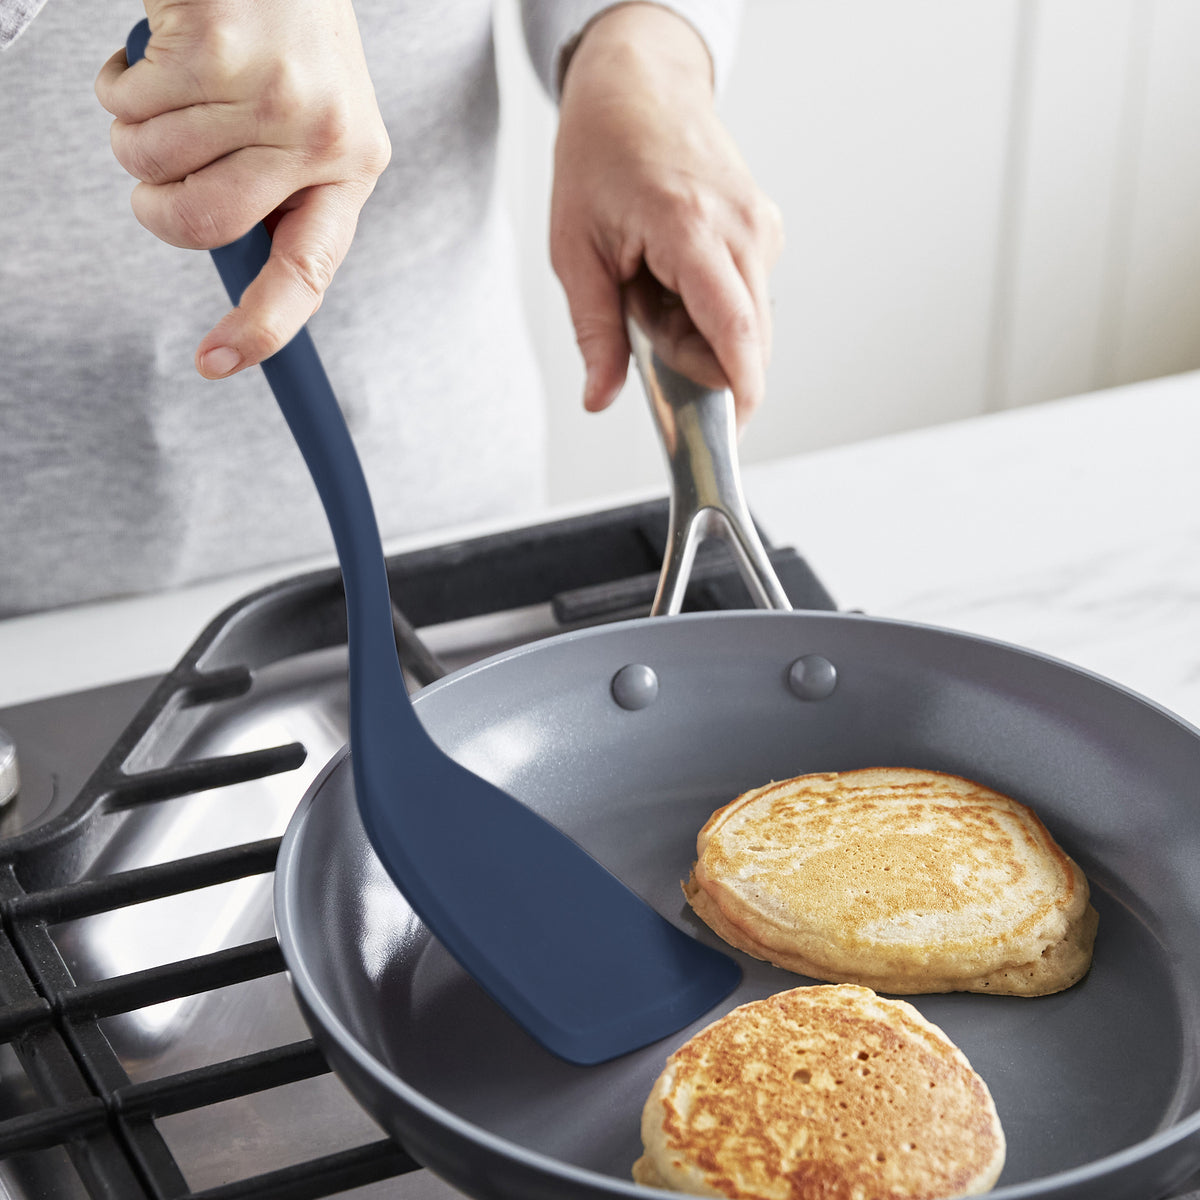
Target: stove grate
[(87, 1103)]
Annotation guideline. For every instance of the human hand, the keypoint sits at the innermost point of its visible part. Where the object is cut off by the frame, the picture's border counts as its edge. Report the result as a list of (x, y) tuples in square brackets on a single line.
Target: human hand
[(243, 113), (646, 176)]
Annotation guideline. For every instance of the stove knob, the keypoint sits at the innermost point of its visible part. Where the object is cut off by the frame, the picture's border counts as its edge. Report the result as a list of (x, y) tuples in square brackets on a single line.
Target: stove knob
[(10, 777)]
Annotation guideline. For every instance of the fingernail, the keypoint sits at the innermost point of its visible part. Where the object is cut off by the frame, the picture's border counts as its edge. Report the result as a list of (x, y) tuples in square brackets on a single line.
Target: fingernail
[(220, 361)]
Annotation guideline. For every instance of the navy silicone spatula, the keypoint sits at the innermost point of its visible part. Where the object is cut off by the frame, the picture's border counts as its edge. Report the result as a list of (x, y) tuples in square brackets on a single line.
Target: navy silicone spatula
[(576, 957)]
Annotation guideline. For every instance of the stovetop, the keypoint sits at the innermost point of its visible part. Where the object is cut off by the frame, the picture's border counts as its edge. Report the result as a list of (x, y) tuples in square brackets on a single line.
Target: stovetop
[(152, 1047)]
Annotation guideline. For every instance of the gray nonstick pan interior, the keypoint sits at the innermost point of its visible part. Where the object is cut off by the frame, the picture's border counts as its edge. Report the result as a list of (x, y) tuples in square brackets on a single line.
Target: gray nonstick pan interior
[(1097, 1087)]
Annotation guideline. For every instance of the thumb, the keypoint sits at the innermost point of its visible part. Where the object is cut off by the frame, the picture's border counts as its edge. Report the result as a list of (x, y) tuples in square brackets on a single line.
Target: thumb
[(594, 299), (308, 244)]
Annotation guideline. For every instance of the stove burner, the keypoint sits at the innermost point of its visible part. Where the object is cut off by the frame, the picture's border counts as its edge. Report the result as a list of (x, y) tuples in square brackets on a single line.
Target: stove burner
[(152, 1047)]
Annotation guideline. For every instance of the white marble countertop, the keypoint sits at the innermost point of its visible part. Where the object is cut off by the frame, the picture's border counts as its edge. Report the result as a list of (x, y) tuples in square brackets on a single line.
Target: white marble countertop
[(1071, 527)]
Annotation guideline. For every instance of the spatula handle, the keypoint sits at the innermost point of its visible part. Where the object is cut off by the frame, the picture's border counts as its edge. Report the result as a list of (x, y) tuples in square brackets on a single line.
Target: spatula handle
[(306, 398)]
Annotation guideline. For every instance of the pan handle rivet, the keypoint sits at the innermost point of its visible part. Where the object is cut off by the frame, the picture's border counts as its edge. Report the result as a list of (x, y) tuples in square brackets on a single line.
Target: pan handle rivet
[(812, 677), (635, 686)]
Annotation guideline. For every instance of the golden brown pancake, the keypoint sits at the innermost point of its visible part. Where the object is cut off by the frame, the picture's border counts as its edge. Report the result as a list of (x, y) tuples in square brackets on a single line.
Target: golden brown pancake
[(902, 880), (821, 1093)]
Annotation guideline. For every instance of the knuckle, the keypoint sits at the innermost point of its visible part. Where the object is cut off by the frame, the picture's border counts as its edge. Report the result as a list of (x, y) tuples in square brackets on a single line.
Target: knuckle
[(137, 155), (692, 210), (336, 133), (330, 131), (278, 97), (756, 226), (765, 223), (327, 129), (265, 335), (690, 222), (742, 324), (739, 325), (377, 152), (594, 333), (312, 269), (191, 224), (217, 52), (698, 214)]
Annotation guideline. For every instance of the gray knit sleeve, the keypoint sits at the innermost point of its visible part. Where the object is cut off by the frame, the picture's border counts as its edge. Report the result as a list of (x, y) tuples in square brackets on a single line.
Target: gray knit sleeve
[(552, 28), (15, 17)]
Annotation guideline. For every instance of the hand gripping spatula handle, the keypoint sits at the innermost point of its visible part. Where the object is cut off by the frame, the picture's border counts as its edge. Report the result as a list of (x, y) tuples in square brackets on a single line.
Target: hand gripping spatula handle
[(584, 964)]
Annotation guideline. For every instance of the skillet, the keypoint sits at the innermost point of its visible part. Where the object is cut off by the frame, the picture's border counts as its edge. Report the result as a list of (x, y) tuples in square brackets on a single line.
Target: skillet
[(1098, 1087)]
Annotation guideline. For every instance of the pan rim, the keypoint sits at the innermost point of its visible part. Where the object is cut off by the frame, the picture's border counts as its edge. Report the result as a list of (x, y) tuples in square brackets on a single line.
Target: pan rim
[(332, 1026), (792, 616)]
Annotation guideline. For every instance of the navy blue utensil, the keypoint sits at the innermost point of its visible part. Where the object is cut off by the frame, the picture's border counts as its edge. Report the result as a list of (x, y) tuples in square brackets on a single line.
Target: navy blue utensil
[(576, 957)]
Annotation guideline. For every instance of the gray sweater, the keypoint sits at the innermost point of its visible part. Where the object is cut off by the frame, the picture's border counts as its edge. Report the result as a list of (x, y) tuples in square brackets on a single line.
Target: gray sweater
[(121, 470)]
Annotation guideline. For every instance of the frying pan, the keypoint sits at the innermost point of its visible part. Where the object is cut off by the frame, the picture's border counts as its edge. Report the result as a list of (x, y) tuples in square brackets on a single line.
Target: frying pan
[(1098, 1087)]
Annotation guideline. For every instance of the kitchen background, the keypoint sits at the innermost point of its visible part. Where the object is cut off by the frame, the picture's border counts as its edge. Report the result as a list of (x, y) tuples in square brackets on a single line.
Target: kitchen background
[(988, 204)]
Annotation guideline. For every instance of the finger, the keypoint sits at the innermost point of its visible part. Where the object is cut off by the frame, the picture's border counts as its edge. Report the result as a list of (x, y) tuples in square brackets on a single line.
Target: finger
[(755, 256), (753, 273), (218, 204), (719, 301), (169, 147), (309, 243), (106, 80), (665, 321), (158, 83), (594, 300)]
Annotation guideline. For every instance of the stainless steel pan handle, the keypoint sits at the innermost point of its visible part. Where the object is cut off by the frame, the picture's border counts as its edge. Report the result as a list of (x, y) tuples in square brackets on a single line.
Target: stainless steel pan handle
[(699, 435)]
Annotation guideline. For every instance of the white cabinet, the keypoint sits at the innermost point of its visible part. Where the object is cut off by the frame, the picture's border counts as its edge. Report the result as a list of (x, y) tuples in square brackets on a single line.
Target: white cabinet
[(988, 203)]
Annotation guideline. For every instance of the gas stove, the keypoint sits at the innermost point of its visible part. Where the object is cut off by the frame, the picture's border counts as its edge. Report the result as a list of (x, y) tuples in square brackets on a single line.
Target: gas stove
[(151, 1044)]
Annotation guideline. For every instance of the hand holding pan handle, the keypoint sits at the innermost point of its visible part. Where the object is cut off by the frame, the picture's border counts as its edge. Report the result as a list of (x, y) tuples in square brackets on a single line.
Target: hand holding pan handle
[(699, 434)]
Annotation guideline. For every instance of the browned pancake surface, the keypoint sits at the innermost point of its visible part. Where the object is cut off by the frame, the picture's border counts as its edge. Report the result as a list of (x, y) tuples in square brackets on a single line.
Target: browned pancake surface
[(902, 880), (821, 1093)]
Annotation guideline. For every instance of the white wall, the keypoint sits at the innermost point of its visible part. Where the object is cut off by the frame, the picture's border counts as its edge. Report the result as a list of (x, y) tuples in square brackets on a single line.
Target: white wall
[(987, 204)]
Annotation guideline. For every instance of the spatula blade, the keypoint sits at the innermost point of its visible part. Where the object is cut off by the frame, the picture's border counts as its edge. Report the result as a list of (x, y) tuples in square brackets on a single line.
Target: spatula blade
[(578, 959)]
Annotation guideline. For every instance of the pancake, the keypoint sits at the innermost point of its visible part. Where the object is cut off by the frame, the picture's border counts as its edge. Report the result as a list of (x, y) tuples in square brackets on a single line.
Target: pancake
[(903, 880), (821, 1093)]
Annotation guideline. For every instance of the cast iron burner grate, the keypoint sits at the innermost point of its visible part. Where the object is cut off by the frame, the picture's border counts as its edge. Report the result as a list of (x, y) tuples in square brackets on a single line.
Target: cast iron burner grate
[(80, 1098)]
